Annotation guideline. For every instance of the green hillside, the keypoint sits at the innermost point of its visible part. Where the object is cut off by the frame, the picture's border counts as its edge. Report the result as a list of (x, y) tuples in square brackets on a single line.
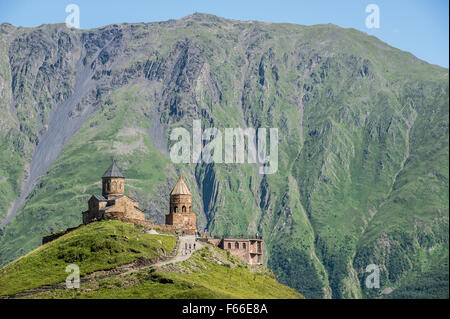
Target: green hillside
[(363, 142), (102, 246)]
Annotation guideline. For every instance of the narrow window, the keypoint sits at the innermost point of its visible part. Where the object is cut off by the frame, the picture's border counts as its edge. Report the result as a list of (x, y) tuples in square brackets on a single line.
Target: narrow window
[(229, 245), (175, 209), (184, 209), (244, 246), (236, 245)]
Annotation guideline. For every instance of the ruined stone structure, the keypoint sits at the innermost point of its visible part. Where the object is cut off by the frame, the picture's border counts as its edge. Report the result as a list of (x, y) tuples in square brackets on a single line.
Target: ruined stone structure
[(248, 249), (180, 210), (113, 203)]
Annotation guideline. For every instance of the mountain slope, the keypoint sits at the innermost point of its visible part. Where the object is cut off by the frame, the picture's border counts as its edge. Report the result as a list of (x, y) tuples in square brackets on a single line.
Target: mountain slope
[(98, 249), (363, 140)]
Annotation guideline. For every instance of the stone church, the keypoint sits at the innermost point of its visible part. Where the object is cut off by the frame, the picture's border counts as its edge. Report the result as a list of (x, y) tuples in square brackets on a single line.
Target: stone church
[(112, 203)]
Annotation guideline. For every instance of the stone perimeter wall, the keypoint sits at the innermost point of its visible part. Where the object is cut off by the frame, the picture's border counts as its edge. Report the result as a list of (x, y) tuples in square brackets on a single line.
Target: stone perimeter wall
[(51, 237), (120, 217), (145, 223)]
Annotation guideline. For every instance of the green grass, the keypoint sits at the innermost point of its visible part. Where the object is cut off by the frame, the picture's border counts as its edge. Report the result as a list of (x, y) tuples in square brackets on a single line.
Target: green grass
[(201, 276), (96, 246)]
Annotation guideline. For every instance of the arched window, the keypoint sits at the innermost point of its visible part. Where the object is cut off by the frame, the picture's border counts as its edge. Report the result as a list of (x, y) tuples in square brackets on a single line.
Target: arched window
[(236, 245), (190, 209), (229, 245), (184, 209), (175, 209)]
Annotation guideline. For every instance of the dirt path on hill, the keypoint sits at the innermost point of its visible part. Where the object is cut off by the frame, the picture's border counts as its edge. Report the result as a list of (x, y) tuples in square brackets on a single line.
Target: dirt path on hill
[(184, 248), (182, 253)]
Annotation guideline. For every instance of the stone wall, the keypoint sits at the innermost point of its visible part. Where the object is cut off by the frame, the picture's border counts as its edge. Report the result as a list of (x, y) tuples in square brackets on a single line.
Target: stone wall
[(212, 241), (91, 216), (183, 221), (249, 250), (51, 237), (239, 248), (144, 223), (128, 207)]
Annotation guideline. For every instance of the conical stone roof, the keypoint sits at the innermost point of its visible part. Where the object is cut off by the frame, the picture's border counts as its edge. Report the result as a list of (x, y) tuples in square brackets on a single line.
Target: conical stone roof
[(113, 171), (180, 188)]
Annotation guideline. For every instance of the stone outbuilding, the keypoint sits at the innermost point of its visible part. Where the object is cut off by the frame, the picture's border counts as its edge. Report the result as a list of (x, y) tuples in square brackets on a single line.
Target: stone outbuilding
[(248, 249)]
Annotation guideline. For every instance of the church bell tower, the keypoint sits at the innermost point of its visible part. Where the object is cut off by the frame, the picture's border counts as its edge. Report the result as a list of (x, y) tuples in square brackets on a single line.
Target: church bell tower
[(180, 213)]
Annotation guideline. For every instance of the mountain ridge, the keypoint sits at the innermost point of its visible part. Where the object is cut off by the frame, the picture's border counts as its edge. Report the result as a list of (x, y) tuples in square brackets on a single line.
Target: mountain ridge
[(361, 123)]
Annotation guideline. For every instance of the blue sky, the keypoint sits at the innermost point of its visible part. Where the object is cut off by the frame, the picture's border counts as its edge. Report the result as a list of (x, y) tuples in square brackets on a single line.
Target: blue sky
[(420, 27)]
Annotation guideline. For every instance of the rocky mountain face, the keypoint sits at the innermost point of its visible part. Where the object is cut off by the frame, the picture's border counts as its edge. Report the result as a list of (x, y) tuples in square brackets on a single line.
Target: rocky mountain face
[(363, 142)]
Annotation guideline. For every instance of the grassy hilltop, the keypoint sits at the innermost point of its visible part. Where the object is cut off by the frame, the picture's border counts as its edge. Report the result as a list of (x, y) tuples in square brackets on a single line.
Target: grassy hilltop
[(101, 248)]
